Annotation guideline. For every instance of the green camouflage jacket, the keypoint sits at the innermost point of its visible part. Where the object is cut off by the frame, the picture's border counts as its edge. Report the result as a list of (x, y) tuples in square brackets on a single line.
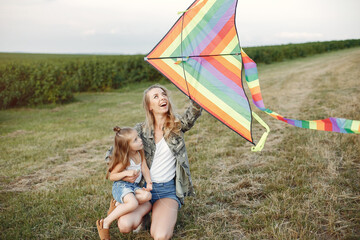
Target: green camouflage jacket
[(176, 143)]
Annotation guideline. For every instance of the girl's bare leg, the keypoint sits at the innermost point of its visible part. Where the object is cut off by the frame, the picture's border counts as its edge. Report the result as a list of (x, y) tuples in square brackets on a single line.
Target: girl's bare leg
[(129, 205), (163, 220), (132, 220), (142, 196)]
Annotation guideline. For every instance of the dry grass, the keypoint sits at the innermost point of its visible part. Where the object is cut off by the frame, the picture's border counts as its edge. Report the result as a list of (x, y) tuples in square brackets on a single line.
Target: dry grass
[(82, 162), (304, 184)]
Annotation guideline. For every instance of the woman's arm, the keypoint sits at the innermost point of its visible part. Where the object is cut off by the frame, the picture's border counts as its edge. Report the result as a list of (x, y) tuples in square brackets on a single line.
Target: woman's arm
[(192, 113), (116, 174), (146, 173)]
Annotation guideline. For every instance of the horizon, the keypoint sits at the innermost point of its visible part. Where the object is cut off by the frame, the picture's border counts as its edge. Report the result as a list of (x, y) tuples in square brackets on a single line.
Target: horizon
[(114, 54), (135, 27)]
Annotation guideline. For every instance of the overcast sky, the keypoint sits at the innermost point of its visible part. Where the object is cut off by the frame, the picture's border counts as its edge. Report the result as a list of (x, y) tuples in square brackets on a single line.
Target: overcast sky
[(136, 26)]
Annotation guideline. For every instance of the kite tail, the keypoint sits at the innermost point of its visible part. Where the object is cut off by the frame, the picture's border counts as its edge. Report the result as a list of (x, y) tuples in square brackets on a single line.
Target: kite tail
[(331, 124), (260, 145)]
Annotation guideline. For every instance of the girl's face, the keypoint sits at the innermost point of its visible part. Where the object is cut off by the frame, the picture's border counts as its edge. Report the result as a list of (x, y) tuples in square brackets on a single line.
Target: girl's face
[(135, 142), (158, 101)]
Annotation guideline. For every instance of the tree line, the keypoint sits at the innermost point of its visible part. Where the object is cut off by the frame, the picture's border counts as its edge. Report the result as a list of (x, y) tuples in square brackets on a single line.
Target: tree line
[(35, 79)]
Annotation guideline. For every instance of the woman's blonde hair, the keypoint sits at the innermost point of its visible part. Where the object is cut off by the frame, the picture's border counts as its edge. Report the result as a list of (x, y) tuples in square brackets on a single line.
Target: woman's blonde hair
[(171, 125), (121, 150)]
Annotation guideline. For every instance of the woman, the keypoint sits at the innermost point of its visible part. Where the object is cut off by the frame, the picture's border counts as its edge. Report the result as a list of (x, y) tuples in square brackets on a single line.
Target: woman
[(162, 134)]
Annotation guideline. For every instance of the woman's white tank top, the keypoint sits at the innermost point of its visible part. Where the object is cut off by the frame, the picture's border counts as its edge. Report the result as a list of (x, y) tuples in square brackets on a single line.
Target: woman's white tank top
[(163, 167)]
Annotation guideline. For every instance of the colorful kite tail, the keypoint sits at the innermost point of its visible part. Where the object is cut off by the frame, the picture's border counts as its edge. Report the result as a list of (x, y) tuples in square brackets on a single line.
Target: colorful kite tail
[(260, 145), (331, 124)]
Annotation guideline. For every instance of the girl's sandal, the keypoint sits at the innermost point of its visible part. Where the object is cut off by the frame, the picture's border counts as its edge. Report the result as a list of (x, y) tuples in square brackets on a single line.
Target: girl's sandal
[(112, 206), (104, 233)]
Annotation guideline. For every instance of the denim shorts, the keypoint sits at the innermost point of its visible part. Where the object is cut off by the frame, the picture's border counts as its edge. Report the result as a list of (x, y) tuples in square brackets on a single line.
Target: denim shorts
[(122, 188), (164, 190)]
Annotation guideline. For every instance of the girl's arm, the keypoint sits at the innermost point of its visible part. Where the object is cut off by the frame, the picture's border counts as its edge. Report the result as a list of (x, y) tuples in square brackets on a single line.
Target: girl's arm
[(117, 173), (146, 173)]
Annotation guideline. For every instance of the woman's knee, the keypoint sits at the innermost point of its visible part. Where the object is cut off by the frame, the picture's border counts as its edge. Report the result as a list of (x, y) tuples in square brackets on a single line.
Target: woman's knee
[(125, 226), (161, 235)]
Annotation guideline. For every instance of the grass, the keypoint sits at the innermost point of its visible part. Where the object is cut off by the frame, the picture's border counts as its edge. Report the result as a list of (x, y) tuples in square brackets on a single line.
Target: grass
[(304, 185)]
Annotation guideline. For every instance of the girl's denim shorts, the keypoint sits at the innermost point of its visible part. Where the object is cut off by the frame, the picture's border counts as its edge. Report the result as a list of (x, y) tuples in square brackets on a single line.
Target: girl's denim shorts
[(164, 190), (121, 188)]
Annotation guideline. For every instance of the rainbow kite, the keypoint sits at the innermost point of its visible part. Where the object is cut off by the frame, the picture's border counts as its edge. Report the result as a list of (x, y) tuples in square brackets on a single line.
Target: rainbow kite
[(201, 55)]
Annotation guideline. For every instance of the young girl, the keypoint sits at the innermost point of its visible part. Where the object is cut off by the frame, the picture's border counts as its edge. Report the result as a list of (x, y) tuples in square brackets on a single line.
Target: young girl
[(127, 160)]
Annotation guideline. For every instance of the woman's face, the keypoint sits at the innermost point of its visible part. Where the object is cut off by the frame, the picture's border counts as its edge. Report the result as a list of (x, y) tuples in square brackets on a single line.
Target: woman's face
[(158, 101)]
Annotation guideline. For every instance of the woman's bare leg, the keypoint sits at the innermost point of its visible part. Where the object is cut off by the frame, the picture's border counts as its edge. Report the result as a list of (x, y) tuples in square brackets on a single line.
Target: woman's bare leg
[(163, 220), (132, 220)]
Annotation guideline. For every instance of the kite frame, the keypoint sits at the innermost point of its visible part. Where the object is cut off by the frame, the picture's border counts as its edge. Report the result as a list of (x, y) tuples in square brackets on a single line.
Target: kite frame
[(182, 57)]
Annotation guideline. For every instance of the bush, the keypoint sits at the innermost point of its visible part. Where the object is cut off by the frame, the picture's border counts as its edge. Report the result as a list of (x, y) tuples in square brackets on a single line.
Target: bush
[(25, 81), (270, 54), (32, 79)]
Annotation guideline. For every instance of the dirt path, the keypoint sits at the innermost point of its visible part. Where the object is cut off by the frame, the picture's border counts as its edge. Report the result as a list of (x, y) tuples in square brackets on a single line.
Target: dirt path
[(286, 87), (83, 161)]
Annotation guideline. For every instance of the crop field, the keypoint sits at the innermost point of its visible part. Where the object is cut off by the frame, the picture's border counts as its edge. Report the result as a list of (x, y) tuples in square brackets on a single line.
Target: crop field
[(38, 79), (305, 184)]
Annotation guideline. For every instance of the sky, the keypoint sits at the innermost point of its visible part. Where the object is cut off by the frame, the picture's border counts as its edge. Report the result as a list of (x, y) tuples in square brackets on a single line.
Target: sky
[(136, 26)]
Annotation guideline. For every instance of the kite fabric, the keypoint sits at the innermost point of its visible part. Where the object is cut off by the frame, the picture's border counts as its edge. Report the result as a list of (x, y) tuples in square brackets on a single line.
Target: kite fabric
[(201, 55)]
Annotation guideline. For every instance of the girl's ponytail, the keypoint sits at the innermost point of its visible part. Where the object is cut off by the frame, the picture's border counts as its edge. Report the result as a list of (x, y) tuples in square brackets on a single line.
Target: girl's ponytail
[(117, 129)]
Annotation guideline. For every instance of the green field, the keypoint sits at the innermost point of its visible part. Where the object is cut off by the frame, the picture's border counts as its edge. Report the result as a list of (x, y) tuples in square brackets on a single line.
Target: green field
[(38, 79), (305, 184)]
